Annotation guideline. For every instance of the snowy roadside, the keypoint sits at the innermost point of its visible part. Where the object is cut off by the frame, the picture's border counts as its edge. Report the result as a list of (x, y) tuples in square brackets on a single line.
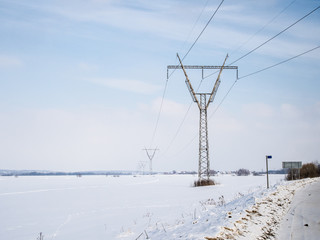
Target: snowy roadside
[(255, 215), (262, 220), (303, 218)]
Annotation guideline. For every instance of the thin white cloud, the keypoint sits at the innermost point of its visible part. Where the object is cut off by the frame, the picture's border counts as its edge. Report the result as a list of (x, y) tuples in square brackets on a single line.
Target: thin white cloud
[(169, 107), (9, 61), (290, 111), (260, 110), (88, 66), (134, 86), (60, 139), (161, 19)]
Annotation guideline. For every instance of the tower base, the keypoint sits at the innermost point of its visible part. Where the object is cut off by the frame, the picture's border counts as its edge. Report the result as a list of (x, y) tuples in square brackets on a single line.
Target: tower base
[(204, 182)]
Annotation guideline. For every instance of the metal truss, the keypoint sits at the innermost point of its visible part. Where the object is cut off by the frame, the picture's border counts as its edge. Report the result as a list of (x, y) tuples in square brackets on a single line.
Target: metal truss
[(204, 163), (203, 103)]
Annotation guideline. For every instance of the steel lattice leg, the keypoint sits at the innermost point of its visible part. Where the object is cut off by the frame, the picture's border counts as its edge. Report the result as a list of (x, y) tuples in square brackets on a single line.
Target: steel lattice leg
[(204, 163)]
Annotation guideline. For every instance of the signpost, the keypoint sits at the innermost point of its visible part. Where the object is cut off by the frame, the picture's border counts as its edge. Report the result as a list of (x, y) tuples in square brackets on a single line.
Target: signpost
[(267, 157)]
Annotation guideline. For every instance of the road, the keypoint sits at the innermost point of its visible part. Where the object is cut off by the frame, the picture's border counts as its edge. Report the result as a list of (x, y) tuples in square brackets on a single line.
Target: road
[(303, 218)]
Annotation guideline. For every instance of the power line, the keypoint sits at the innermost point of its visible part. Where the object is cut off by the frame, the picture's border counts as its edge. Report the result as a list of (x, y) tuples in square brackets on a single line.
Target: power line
[(159, 113), (203, 30), (276, 35), (198, 36), (194, 25), (261, 70), (279, 63), (225, 96), (252, 36), (267, 40), (178, 130)]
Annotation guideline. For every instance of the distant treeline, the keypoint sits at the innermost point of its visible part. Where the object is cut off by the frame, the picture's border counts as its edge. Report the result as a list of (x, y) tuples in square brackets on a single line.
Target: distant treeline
[(48, 173), (240, 172)]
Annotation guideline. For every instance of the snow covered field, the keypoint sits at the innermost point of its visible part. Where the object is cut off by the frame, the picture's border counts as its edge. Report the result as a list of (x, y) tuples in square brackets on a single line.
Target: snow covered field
[(125, 207)]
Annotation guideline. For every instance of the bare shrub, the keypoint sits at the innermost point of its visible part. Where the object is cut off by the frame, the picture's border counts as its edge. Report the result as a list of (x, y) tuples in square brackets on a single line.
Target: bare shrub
[(208, 202), (309, 170), (221, 201), (243, 172), (41, 237), (293, 174), (200, 183)]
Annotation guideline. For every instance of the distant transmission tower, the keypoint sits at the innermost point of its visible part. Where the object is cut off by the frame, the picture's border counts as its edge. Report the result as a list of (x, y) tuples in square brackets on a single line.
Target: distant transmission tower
[(150, 155), (142, 165), (203, 104)]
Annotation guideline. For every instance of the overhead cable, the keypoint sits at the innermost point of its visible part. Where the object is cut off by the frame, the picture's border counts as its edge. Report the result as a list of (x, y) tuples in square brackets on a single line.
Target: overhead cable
[(261, 29), (159, 113), (267, 40), (277, 64), (195, 23), (203, 30), (261, 70), (276, 35), (178, 130), (198, 36)]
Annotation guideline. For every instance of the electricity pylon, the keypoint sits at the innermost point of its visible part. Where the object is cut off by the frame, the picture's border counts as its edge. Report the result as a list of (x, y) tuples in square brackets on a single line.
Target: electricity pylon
[(150, 156), (203, 103), (141, 166)]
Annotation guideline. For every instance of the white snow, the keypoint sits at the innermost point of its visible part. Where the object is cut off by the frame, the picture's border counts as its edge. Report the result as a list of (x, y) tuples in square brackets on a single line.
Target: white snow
[(128, 207)]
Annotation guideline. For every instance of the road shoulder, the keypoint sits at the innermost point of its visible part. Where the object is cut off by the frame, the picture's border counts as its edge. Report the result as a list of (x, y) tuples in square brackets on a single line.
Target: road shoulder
[(302, 220)]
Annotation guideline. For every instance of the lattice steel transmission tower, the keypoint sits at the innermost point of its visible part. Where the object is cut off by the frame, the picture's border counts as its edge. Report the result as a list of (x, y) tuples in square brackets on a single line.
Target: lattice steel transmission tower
[(203, 101), (150, 156)]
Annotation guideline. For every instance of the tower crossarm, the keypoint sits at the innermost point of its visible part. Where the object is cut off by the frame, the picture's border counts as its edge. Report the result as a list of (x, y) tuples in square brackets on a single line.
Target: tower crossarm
[(150, 156), (190, 88), (217, 84), (200, 67)]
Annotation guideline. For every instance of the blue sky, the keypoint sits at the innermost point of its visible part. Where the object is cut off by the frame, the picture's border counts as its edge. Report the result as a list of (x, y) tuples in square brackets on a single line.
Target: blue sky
[(81, 83)]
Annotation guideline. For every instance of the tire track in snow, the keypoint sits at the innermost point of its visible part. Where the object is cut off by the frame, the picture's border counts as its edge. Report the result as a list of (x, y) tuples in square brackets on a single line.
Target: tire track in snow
[(47, 190), (61, 226), (144, 183)]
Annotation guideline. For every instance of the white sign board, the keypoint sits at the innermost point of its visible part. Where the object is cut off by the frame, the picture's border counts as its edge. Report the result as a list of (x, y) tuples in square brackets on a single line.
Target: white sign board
[(291, 165)]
